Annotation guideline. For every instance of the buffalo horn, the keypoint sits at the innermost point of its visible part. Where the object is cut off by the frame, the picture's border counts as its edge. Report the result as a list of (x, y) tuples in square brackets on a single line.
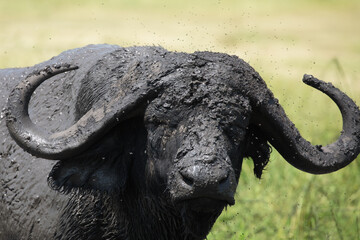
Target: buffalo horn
[(72, 141), (300, 153)]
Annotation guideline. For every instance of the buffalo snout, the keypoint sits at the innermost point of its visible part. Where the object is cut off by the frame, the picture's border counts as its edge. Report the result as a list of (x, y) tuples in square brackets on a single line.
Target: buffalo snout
[(204, 181)]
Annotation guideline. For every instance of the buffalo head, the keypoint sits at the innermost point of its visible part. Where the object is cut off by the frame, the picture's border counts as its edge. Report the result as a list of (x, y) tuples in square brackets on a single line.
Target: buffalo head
[(175, 125)]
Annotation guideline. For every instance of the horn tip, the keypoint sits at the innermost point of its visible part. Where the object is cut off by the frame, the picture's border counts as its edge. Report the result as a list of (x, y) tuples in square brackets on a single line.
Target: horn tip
[(307, 78), (312, 81)]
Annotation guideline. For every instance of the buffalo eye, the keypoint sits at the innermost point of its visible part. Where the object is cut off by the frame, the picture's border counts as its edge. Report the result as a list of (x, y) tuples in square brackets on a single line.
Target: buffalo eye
[(235, 133), (234, 126)]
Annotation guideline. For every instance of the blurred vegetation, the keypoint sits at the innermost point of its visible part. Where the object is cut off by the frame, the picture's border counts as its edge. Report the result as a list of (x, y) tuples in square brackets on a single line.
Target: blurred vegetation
[(281, 39)]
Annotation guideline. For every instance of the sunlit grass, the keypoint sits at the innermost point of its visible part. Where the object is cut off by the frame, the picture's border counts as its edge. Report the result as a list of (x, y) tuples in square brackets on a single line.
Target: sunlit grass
[(280, 39)]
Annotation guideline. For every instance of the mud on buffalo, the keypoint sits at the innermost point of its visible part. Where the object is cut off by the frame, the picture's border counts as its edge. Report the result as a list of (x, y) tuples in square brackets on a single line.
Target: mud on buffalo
[(145, 143)]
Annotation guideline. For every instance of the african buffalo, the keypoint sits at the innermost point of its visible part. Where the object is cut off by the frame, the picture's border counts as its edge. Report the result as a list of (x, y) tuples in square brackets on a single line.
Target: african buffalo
[(149, 143)]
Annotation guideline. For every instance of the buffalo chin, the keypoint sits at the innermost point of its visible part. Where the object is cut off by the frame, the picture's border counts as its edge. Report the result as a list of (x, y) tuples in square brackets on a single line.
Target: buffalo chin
[(200, 214)]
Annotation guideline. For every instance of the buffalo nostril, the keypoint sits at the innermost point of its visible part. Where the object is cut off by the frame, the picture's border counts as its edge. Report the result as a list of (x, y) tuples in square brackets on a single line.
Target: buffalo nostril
[(191, 175), (223, 180), (186, 179)]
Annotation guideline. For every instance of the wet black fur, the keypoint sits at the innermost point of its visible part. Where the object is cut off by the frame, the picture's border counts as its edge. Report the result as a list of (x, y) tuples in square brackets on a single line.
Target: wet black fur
[(112, 196)]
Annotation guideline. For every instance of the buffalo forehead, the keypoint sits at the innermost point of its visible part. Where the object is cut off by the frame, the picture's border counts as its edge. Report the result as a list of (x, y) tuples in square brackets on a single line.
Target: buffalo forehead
[(214, 98)]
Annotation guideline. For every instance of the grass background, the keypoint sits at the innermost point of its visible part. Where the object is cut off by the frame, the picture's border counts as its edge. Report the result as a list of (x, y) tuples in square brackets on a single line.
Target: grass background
[(281, 39)]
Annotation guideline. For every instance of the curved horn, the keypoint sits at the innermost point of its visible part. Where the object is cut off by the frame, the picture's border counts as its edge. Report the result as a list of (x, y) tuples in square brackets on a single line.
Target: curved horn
[(62, 145), (300, 153)]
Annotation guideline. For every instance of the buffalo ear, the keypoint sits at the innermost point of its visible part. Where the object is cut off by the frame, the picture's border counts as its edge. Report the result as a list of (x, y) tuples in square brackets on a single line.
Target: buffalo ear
[(99, 175), (106, 166), (104, 171), (258, 149)]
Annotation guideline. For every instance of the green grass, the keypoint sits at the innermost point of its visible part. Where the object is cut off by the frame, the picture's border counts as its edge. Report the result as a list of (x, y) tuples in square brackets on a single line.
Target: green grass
[(281, 39)]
